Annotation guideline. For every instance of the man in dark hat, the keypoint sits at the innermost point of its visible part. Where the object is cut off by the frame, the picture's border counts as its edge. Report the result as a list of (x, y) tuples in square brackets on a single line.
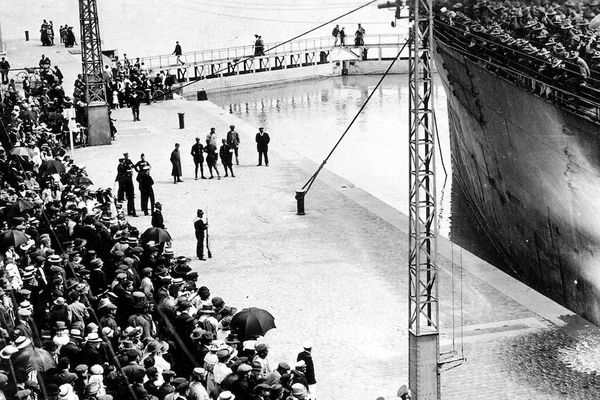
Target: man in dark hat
[(262, 146), (200, 226), (233, 140), (157, 217), (306, 356), (226, 154)]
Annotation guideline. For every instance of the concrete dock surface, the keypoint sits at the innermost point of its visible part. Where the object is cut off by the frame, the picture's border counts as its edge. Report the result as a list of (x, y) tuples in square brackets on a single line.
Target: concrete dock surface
[(338, 275)]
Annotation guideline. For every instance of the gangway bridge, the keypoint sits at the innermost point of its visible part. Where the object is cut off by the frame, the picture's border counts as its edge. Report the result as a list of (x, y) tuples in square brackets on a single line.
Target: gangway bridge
[(231, 61)]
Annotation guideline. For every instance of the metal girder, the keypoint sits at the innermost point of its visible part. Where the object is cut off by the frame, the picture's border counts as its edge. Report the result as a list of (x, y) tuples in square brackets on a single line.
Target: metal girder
[(91, 52), (424, 378)]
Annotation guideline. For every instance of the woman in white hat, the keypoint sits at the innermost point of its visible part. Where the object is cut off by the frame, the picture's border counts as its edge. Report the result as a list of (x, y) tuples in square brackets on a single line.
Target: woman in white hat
[(97, 376)]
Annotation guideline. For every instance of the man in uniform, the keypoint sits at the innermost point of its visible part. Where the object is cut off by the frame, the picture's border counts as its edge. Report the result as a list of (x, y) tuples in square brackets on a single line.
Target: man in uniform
[(262, 146), (125, 180), (198, 155), (200, 226), (233, 140)]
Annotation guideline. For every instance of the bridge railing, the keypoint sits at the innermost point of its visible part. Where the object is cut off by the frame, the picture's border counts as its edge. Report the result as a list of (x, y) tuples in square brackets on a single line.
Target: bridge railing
[(231, 53)]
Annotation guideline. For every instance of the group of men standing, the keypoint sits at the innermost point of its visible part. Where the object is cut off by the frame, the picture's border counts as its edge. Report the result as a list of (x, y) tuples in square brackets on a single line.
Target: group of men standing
[(126, 189), (208, 152)]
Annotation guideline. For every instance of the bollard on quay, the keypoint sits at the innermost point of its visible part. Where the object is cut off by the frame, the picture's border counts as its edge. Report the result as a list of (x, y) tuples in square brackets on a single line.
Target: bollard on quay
[(27, 36), (201, 95), (300, 201), (181, 120)]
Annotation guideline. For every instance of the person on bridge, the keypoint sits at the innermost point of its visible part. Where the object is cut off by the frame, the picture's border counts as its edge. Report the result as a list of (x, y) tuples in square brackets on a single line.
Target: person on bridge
[(198, 156), (335, 33), (178, 53), (233, 140), (359, 36), (262, 146), (176, 162), (342, 37), (4, 68), (259, 47)]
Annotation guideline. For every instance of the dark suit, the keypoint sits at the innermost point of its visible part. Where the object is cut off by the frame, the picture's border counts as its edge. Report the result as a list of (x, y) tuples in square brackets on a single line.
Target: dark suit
[(199, 227), (262, 146), (310, 366), (198, 155), (157, 219), (146, 191)]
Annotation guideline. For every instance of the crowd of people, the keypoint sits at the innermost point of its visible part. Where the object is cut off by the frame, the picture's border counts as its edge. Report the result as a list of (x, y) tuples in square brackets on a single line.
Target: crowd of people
[(92, 309), (538, 47)]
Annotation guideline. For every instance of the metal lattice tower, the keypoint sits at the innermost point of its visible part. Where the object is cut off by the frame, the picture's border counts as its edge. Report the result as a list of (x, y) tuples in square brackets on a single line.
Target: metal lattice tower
[(424, 378), (91, 53)]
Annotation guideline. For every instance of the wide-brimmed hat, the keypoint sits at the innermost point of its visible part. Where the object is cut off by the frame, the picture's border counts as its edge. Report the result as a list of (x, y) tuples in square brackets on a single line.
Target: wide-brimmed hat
[(93, 338), (8, 351), (21, 342)]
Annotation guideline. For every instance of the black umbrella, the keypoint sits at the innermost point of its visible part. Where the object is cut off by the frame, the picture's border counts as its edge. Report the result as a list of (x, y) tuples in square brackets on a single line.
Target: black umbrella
[(12, 237), (52, 167), (23, 205), (82, 181), (33, 359), (252, 322), (157, 235)]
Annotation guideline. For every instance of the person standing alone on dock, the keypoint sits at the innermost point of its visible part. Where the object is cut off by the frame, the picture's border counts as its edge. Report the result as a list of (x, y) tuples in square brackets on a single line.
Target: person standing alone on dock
[(233, 140), (198, 155), (4, 68), (262, 146), (335, 33), (178, 53), (176, 162), (134, 102)]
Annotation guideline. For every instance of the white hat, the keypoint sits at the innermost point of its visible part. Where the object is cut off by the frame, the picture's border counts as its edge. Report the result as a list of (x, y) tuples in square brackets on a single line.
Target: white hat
[(226, 395)]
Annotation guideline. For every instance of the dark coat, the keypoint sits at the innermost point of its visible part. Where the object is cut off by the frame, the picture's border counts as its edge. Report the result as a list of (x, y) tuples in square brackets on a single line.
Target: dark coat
[(90, 355), (176, 161), (146, 182), (262, 141), (157, 219), (199, 227), (225, 154), (310, 366)]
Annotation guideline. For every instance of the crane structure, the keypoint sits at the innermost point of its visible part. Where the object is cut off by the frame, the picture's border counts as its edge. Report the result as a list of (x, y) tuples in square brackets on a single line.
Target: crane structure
[(423, 314), (423, 308), (98, 122)]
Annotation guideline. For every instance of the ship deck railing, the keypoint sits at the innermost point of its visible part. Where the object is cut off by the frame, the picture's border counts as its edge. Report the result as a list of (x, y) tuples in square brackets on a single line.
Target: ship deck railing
[(575, 98)]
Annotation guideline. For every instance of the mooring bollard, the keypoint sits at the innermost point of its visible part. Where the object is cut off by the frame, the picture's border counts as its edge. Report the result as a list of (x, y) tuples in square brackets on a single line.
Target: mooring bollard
[(201, 94), (181, 120), (300, 201), (27, 36)]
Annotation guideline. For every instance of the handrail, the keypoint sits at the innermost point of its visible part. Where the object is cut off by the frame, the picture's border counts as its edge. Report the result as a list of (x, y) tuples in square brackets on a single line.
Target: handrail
[(592, 113), (228, 53)]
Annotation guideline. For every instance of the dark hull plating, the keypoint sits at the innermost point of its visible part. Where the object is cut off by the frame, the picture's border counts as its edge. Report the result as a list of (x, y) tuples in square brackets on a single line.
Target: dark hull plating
[(530, 172)]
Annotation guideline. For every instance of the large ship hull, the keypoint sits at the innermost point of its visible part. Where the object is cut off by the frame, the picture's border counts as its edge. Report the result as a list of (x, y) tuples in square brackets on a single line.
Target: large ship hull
[(530, 171)]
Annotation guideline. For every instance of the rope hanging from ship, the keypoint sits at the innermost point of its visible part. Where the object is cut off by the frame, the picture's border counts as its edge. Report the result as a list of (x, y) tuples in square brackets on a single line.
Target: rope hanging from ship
[(526, 47)]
